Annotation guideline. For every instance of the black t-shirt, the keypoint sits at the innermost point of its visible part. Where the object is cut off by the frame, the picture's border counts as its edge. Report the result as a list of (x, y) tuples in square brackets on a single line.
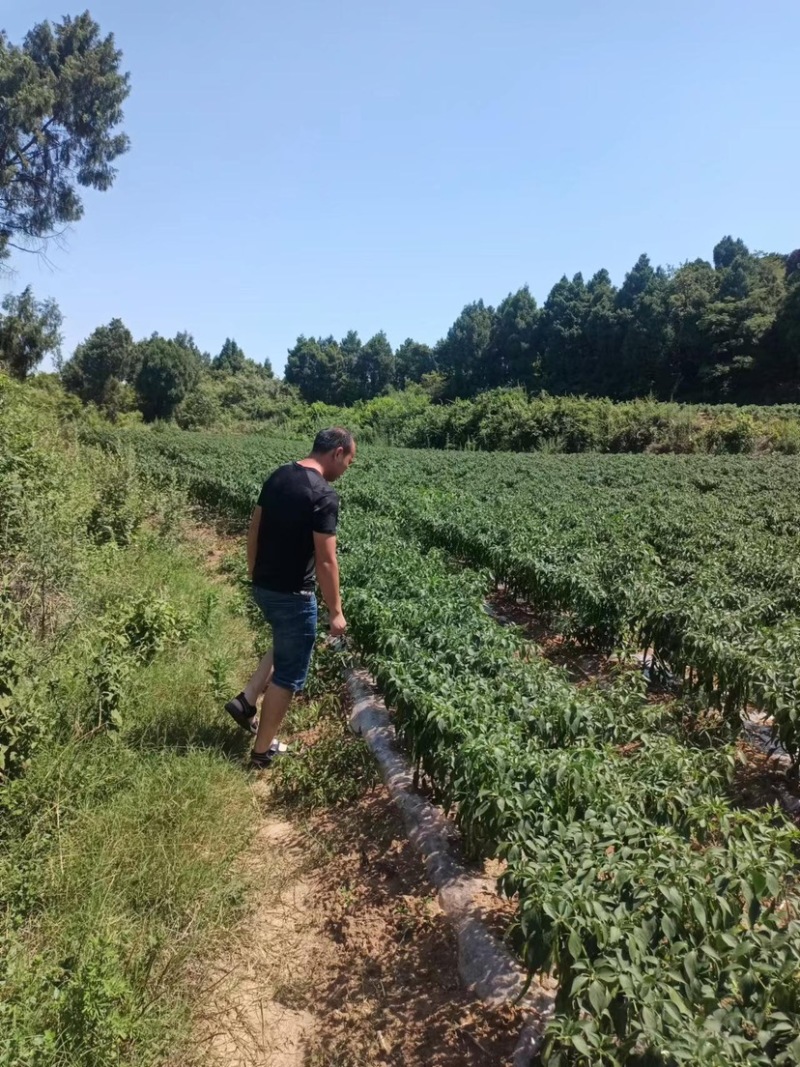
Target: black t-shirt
[(296, 502)]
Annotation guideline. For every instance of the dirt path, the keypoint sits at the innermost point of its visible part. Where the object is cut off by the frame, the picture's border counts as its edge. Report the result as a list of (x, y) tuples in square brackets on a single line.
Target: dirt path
[(252, 999), (345, 958)]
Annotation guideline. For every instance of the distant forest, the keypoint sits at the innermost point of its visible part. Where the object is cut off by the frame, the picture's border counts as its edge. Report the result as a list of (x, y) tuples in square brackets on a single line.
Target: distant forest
[(721, 332)]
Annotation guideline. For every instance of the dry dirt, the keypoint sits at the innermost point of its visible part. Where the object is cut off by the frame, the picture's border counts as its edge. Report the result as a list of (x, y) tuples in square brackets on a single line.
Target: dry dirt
[(582, 665), (346, 959), (249, 999)]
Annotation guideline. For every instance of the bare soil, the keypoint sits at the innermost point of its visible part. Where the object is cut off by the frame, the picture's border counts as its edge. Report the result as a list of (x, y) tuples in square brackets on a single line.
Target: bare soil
[(251, 1002), (393, 995), (212, 545), (345, 960), (581, 664)]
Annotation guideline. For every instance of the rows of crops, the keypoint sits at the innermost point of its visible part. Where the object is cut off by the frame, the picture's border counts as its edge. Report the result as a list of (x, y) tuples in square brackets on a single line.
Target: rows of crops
[(697, 560), (665, 913)]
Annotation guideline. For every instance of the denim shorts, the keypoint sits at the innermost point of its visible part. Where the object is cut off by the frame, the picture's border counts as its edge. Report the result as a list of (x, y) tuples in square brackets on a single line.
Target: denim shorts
[(293, 619)]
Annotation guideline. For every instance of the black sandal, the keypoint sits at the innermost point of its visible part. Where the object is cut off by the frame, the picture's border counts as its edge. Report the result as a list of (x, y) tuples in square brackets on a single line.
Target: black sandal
[(243, 713)]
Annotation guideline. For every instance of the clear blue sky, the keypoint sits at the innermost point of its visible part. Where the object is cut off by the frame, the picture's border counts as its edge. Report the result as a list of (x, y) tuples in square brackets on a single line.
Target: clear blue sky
[(314, 166)]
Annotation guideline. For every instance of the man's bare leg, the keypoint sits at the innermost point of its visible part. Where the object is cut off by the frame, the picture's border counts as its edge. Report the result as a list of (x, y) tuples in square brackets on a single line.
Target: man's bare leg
[(273, 711), (260, 679)]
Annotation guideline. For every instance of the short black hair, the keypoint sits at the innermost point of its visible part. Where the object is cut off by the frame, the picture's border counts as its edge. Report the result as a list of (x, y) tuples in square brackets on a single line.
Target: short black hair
[(331, 439)]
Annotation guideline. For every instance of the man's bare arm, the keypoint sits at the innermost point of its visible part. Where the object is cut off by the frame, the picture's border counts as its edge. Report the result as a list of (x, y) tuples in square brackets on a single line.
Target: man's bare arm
[(252, 540), (328, 576)]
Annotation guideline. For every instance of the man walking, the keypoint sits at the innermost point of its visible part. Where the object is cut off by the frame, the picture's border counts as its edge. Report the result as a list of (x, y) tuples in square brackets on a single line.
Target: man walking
[(292, 535)]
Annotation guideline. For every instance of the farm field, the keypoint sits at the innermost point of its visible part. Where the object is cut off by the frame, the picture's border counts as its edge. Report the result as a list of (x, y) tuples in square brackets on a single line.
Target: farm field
[(664, 909)]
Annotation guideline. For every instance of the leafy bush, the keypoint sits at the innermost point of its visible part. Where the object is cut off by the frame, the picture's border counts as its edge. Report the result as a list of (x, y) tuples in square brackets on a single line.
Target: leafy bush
[(151, 624), (119, 507)]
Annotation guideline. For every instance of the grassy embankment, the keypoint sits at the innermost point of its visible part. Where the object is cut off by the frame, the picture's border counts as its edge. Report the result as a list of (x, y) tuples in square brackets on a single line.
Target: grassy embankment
[(123, 804)]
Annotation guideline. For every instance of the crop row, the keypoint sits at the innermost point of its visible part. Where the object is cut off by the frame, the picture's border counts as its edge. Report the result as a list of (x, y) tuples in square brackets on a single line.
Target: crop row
[(695, 559)]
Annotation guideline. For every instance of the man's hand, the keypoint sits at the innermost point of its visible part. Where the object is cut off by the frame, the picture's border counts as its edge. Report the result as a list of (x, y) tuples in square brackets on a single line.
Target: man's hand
[(338, 624)]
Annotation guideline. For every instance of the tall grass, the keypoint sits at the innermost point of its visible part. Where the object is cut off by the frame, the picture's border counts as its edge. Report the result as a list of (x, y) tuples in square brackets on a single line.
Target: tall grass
[(123, 806)]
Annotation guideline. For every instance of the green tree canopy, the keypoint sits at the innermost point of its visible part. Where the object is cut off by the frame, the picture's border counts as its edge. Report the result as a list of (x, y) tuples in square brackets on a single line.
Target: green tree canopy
[(412, 361), (508, 359), (199, 409), (350, 346), (62, 94), (692, 289), (317, 366), (107, 359), (231, 359), (560, 336), (645, 332), (461, 355), (739, 321), (374, 367), (784, 365), (601, 330), (29, 331), (187, 341), (167, 373), (727, 250)]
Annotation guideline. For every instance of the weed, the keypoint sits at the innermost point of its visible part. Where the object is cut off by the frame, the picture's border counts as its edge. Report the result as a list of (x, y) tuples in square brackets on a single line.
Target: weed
[(336, 769)]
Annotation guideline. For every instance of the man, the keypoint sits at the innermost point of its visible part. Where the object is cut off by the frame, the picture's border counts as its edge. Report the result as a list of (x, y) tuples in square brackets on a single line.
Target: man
[(292, 535)]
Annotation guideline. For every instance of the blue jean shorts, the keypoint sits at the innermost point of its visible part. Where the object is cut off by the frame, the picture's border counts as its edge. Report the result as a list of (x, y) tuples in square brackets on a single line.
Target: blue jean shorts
[(293, 620)]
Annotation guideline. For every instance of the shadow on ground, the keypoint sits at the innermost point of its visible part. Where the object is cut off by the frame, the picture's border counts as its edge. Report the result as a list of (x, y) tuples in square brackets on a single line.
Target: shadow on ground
[(393, 995)]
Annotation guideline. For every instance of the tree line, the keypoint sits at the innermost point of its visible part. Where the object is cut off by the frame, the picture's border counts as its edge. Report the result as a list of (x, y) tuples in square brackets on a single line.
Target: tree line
[(158, 377), (165, 378), (726, 330), (707, 332)]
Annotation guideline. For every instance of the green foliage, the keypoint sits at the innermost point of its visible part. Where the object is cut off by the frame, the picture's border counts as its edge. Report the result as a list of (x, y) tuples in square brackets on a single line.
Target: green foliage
[(103, 369), (412, 362), (199, 410), (149, 625), (662, 910), (62, 94), (321, 369), (119, 835), (509, 358), (167, 373), (119, 505), (373, 369), (231, 359), (461, 355), (109, 676), (516, 377), (29, 330), (508, 420), (20, 725), (335, 769), (654, 902), (698, 333)]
